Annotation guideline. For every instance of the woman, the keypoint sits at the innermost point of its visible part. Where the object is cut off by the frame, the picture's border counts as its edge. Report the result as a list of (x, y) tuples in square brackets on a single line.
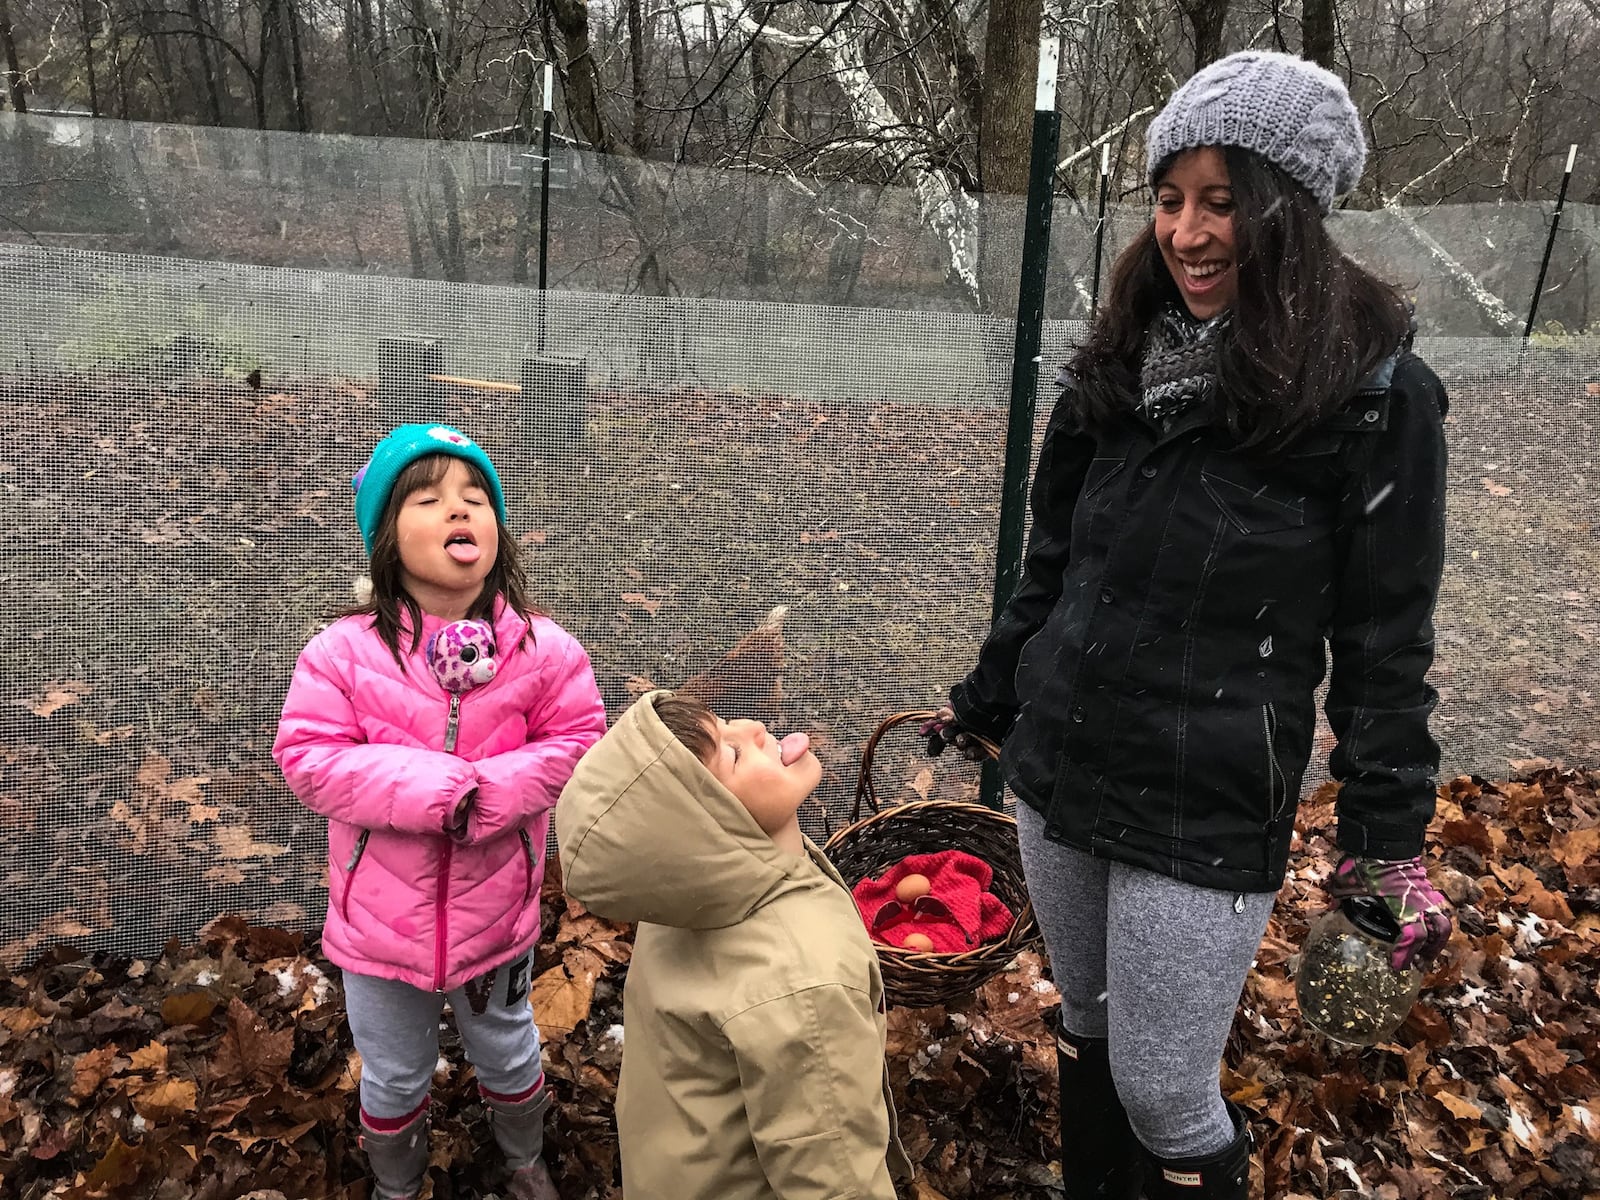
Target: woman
[(1248, 461)]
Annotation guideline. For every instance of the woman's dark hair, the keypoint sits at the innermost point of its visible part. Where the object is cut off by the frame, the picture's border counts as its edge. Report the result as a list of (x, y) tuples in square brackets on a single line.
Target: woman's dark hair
[(505, 579), (1309, 325)]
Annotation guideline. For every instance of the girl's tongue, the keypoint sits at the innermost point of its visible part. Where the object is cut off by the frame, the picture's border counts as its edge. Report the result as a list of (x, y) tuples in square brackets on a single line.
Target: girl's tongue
[(793, 747), (464, 553)]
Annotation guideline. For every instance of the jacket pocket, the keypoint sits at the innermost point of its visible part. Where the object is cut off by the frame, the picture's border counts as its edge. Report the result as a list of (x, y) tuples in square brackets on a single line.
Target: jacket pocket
[(350, 867), (530, 862), (1101, 472), (1252, 506)]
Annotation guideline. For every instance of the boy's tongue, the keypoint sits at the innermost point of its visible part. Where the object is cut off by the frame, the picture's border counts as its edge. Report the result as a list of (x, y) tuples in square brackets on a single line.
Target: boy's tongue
[(464, 553), (792, 747)]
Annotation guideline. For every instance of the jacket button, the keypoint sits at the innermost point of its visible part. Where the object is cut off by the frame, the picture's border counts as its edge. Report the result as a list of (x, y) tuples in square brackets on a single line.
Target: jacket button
[(1052, 831), (1107, 595), (1148, 470), (1371, 415), (1078, 714)]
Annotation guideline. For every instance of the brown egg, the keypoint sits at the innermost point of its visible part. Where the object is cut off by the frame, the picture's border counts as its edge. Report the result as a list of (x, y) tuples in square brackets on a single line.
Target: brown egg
[(911, 888), (920, 942)]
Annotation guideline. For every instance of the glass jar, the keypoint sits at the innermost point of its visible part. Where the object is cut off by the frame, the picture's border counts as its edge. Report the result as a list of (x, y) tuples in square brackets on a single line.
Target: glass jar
[(1345, 985)]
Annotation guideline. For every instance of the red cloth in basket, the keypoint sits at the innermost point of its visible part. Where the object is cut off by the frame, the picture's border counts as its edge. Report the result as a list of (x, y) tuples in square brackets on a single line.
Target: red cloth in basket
[(959, 913)]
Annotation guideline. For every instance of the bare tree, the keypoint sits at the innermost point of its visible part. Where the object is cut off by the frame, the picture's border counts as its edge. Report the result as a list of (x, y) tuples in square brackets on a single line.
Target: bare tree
[(16, 83)]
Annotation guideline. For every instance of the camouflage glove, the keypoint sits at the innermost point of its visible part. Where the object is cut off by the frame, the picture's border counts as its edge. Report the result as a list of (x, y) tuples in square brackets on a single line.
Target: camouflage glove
[(1421, 911), (945, 729)]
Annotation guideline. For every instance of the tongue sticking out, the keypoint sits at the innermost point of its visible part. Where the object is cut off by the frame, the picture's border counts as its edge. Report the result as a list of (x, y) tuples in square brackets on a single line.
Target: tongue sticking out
[(793, 747), (464, 553)]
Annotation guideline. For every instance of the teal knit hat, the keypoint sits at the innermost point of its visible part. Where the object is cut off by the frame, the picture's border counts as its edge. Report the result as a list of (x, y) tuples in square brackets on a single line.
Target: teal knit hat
[(399, 450)]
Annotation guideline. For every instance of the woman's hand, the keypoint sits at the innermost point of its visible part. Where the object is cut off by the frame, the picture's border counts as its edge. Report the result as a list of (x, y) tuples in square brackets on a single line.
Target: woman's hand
[(458, 819), (1420, 909), (945, 729)]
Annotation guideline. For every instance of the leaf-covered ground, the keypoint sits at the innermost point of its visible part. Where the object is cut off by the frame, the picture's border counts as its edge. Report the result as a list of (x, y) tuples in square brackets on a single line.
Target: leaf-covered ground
[(224, 1068), (169, 543)]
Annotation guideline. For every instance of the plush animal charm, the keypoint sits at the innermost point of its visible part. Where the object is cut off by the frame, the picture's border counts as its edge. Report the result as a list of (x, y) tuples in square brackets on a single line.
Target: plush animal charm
[(462, 655)]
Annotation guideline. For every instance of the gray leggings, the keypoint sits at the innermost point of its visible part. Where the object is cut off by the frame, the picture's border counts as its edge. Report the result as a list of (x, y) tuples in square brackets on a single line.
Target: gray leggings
[(396, 1030), (1154, 965)]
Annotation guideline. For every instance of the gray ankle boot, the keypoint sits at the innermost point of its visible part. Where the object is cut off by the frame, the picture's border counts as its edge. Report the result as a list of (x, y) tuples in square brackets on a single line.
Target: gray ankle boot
[(398, 1158)]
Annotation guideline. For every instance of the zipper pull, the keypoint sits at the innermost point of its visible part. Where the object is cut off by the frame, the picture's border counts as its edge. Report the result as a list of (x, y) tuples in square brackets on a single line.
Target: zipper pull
[(361, 848), (452, 726)]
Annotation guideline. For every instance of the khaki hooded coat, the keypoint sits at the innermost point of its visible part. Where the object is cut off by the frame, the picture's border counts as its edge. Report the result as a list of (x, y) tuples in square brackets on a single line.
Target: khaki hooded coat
[(753, 1015)]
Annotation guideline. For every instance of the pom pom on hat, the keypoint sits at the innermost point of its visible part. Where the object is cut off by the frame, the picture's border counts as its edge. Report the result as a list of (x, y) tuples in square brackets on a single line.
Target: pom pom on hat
[(1286, 109), (403, 446)]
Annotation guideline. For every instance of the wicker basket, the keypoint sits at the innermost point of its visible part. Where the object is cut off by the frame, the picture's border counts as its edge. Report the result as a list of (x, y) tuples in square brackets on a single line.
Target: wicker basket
[(872, 845)]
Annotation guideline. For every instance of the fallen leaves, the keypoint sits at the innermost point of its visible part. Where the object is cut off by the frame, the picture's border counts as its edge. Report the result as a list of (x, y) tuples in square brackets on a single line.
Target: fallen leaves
[(230, 1060), (58, 697), (250, 1050)]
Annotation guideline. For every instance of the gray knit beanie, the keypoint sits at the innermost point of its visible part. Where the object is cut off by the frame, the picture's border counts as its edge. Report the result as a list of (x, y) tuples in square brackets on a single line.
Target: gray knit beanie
[(1288, 110)]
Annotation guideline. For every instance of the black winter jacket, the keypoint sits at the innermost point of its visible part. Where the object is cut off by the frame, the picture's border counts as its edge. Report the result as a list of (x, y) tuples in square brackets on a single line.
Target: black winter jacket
[(1154, 674)]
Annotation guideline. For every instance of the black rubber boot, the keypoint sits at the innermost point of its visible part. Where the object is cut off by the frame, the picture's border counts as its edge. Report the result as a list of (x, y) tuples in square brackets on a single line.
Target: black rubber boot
[(1101, 1159), (1224, 1175)]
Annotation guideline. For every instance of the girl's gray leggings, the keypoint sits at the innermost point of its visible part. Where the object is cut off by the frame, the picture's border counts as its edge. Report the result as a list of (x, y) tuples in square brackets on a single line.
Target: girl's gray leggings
[(396, 1028), (1154, 965)]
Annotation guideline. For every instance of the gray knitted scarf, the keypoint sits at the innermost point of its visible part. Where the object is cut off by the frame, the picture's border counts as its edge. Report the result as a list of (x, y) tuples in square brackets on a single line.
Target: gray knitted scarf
[(1180, 363)]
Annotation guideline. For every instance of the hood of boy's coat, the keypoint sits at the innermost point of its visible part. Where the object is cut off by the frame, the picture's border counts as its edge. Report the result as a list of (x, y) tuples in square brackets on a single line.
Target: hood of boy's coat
[(647, 833)]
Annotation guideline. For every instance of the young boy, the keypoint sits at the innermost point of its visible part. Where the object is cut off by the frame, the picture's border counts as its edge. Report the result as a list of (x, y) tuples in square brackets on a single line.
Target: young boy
[(752, 1064)]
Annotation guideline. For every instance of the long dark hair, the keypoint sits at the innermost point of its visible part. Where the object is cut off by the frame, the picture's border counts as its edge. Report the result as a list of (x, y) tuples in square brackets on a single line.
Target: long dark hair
[(1309, 325), (506, 579)]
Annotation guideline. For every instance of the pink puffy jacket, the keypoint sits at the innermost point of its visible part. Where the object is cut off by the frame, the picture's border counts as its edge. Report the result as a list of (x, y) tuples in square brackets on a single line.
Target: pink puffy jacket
[(362, 742)]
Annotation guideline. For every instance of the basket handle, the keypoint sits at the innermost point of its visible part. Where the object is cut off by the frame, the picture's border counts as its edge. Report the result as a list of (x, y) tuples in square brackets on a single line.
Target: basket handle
[(866, 790)]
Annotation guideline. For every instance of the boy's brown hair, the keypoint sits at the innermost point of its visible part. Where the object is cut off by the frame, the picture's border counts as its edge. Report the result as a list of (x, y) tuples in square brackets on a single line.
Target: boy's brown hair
[(691, 722)]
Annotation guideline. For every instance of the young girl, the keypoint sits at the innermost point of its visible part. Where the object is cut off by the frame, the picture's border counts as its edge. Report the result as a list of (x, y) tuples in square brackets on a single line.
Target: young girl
[(434, 728), (1248, 462)]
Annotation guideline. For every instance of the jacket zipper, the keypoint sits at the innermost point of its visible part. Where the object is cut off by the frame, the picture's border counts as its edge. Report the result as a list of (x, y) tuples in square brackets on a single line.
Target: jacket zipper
[(440, 919), (350, 872), (1276, 783), (452, 730), (529, 862), (452, 726)]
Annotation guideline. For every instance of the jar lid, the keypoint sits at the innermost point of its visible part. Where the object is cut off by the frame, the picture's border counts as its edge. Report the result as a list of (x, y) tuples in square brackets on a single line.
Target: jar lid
[(1372, 917)]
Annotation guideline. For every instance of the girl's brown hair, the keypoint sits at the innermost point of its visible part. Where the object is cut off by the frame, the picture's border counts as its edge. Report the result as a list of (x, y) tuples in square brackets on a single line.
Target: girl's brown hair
[(506, 579)]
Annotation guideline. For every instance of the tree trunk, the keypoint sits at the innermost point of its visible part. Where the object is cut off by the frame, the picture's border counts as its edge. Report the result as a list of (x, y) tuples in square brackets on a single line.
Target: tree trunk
[(268, 42), (769, 100), (1135, 19), (85, 24), (584, 91), (1005, 119), (208, 70), (1206, 19), (354, 66), (1317, 34), (17, 84), (302, 109), (164, 79), (453, 252), (376, 35), (636, 65)]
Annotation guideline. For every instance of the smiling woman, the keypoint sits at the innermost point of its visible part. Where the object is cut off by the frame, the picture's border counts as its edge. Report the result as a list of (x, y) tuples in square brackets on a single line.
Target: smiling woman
[(1194, 228), (1245, 471)]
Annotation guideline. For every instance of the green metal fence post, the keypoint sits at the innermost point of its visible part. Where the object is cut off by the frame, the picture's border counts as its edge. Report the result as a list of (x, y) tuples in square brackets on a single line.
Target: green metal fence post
[(1025, 355)]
